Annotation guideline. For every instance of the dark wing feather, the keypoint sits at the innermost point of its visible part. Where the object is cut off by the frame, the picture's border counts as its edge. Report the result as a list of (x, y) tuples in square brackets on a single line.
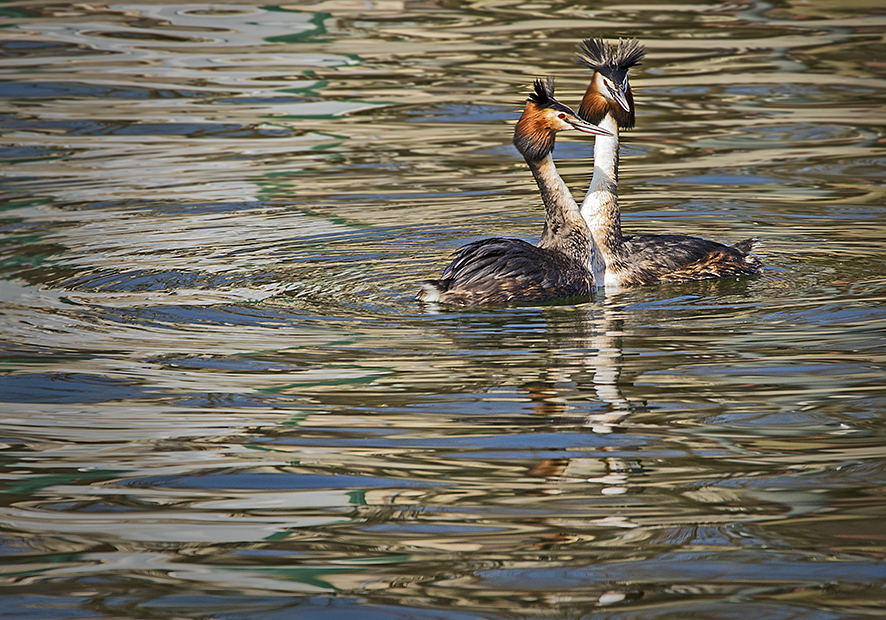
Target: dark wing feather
[(745, 246), (646, 259), (500, 270)]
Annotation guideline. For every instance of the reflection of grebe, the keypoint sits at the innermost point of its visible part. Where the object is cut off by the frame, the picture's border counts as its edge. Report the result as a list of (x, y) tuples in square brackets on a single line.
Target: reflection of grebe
[(501, 270), (638, 259)]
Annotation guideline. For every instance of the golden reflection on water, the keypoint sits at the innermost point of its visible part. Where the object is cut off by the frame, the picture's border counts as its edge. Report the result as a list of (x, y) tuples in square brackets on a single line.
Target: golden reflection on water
[(219, 398)]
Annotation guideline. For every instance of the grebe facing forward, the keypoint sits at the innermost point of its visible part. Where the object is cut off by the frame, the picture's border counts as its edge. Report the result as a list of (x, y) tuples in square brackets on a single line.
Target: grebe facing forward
[(500, 270), (638, 259)]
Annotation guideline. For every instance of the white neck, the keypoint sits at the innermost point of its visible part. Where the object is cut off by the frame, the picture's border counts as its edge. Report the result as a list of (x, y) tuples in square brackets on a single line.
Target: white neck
[(600, 206), (605, 159)]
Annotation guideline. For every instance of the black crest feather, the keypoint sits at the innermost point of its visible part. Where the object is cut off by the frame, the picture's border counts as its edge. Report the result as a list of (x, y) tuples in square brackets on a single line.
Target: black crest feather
[(611, 60), (543, 95)]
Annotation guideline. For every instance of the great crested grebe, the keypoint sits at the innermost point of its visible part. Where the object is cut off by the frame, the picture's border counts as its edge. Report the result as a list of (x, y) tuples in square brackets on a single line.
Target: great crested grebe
[(638, 259), (500, 270)]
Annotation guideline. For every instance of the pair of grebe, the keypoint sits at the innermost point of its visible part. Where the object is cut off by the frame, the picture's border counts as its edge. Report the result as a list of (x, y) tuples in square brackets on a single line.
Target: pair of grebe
[(582, 248)]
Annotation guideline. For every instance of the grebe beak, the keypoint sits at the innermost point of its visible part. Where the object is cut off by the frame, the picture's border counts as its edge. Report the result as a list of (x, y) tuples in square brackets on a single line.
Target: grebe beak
[(618, 93), (581, 125)]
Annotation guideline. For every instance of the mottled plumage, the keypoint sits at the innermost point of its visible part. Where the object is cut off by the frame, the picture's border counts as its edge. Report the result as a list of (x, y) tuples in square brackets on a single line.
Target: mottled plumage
[(638, 259), (651, 259), (501, 270)]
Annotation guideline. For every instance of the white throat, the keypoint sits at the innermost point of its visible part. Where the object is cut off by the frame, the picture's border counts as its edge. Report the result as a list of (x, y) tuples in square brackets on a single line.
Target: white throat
[(601, 200), (605, 166)]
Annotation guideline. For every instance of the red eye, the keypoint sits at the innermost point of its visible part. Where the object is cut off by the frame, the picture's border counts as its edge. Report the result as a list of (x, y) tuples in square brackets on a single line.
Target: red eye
[(561, 116)]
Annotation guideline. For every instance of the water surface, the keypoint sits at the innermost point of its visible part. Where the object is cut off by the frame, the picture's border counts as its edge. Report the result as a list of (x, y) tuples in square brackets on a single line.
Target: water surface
[(219, 399)]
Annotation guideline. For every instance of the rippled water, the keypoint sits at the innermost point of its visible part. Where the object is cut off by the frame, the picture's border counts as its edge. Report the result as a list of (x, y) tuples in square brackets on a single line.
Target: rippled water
[(220, 401)]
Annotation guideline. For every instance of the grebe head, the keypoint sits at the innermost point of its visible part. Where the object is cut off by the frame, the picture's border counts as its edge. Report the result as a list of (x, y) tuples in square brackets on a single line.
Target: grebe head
[(609, 90), (542, 118)]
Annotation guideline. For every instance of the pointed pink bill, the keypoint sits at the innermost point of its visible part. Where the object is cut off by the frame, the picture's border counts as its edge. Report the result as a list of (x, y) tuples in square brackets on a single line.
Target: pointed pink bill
[(588, 127)]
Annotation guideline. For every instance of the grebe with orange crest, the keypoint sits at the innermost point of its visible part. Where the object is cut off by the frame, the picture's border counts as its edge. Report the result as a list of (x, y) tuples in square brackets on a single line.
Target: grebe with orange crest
[(504, 270), (637, 259)]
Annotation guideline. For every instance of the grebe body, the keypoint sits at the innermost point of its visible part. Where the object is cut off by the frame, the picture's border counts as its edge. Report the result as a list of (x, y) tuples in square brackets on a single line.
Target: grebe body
[(637, 259), (502, 270)]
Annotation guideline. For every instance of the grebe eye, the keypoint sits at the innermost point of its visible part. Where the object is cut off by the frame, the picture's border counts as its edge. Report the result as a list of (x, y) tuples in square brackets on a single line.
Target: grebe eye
[(561, 116)]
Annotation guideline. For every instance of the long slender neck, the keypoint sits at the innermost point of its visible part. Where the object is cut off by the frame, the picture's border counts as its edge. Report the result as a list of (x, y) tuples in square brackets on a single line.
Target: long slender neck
[(600, 206), (565, 229)]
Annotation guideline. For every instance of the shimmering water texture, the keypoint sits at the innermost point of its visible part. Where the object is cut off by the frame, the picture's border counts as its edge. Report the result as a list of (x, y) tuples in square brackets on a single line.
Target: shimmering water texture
[(219, 399)]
